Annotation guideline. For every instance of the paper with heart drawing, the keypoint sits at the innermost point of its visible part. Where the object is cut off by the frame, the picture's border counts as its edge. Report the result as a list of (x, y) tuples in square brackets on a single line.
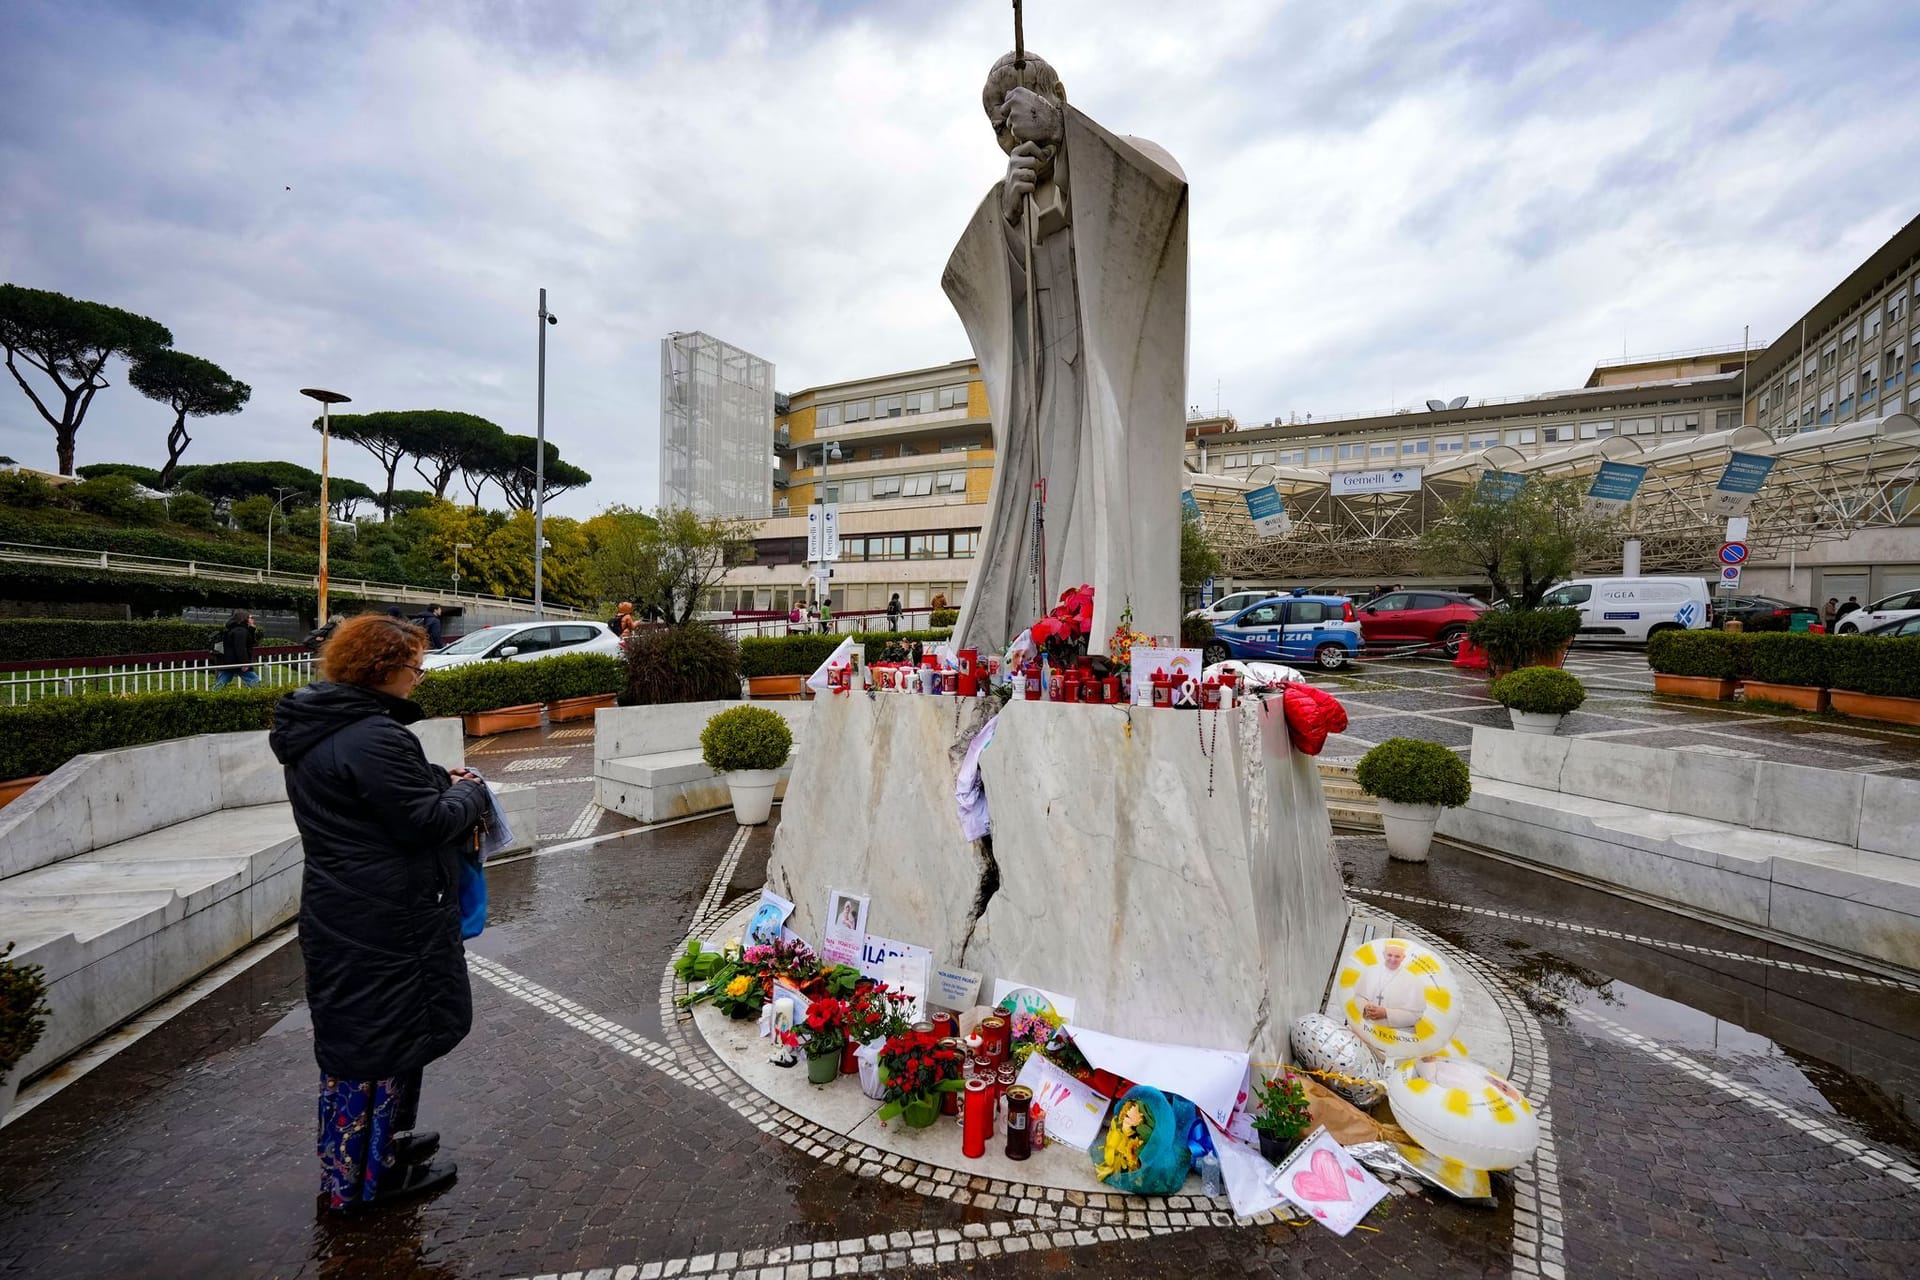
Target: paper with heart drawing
[(1327, 1184)]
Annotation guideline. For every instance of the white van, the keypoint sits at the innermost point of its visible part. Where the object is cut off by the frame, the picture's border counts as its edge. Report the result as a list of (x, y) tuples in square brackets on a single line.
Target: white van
[(1633, 608)]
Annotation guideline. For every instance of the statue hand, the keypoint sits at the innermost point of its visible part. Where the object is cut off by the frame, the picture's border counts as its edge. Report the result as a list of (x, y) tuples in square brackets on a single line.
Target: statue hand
[(1023, 174)]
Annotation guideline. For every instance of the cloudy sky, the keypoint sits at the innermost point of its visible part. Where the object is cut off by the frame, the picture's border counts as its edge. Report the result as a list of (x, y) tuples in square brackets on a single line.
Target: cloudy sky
[(1392, 199)]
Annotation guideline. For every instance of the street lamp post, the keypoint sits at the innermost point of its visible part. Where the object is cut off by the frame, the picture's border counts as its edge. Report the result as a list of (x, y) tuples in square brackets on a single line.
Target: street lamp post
[(327, 400), (458, 547), (540, 465), (284, 493), (831, 452)]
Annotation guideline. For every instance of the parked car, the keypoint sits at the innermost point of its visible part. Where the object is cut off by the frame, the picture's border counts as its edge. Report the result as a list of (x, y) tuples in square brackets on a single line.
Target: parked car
[(1226, 606), (1299, 627), (1634, 608), (1893, 608), (1759, 613), (1419, 617), (1898, 627), (523, 642)]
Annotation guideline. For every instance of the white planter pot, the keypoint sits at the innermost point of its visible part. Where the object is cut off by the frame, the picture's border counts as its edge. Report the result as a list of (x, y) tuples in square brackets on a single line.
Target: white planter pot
[(1534, 721), (1409, 829), (868, 1056), (752, 791)]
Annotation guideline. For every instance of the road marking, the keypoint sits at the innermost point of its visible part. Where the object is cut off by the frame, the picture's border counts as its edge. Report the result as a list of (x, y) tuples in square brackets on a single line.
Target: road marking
[(722, 877), (535, 762)]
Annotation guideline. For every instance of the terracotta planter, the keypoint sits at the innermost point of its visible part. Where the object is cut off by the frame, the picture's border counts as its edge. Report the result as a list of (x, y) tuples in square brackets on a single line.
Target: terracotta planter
[(502, 720), (788, 688), (1876, 706), (577, 708), (1558, 658), (1805, 697), (17, 787), (1709, 687)]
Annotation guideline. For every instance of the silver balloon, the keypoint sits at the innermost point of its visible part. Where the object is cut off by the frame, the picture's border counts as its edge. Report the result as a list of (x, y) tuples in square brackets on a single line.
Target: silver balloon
[(1321, 1044)]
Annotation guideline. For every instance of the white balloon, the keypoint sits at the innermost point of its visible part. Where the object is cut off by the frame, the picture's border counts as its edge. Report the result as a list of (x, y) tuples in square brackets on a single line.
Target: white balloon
[(1321, 1044), (1412, 985), (1459, 1110)]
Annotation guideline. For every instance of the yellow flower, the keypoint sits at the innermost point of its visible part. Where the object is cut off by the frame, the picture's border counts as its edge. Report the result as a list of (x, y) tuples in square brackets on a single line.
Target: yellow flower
[(740, 986)]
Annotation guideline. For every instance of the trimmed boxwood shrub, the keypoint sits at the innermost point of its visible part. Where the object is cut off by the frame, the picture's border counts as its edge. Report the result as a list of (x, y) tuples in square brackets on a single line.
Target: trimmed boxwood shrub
[(1795, 658), (1195, 633), (1887, 666), (943, 618), (746, 737), (480, 686), (802, 655), (29, 639), (1717, 655), (579, 675), (38, 737), (1413, 771), (1540, 691), (1523, 637), (691, 663)]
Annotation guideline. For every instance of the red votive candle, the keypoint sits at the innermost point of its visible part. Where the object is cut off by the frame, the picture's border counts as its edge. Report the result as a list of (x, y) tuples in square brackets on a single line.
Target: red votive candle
[(976, 1120)]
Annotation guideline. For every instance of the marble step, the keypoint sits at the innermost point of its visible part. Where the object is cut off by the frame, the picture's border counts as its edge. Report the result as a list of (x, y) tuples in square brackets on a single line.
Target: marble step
[(1341, 789), (1338, 769), (1353, 815)]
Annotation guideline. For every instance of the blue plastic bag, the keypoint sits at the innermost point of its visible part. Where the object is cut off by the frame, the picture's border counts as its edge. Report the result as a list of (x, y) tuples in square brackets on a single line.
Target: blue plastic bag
[(473, 896), (1164, 1157)]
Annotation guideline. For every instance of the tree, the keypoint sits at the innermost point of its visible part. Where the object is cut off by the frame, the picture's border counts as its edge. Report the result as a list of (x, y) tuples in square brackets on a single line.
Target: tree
[(511, 467), (69, 342), (447, 442), (133, 471), (402, 500), (687, 555), (1523, 542), (230, 481), (1198, 560), (620, 558), (191, 387), (344, 495), (387, 436), (562, 476)]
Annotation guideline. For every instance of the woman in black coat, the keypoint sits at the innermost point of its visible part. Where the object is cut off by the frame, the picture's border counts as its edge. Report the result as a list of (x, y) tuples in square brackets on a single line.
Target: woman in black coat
[(384, 832), (236, 652)]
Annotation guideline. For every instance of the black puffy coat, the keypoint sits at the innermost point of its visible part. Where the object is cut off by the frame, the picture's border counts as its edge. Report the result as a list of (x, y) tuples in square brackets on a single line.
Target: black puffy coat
[(238, 651), (380, 903)]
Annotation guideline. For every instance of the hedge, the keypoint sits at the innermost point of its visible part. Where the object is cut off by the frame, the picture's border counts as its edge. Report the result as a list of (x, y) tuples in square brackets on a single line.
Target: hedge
[(251, 553), (154, 592), (691, 663), (1887, 666), (943, 618), (802, 655), (38, 737), (28, 639), (1798, 658), (480, 686), (1717, 655), (580, 675)]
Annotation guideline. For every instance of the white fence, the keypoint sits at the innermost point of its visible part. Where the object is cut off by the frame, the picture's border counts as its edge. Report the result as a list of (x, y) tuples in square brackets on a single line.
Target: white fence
[(53, 681)]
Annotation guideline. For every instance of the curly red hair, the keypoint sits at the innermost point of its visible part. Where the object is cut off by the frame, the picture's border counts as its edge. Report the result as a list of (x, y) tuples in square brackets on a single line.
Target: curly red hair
[(367, 649)]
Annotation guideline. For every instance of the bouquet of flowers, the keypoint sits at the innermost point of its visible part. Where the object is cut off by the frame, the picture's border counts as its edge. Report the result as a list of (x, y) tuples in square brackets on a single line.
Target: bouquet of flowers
[(1125, 1137), (694, 964), (876, 1013), (916, 1067), (1031, 1031), (1062, 634), (788, 960), (1120, 645), (739, 995), (824, 1030)]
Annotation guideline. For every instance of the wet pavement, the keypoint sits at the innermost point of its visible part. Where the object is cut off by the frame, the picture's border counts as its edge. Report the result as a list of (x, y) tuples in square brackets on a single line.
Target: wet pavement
[(1717, 1106)]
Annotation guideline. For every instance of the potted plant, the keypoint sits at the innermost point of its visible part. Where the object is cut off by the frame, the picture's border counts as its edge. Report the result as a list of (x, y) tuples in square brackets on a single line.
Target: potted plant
[(23, 1014), (875, 1015), (1877, 677), (1283, 1116), (915, 1069), (823, 1035), (1516, 638), (747, 746), (575, 685), (1699, 664), (489, 697), (1537, 699), (1792, 668), (1413, 780)]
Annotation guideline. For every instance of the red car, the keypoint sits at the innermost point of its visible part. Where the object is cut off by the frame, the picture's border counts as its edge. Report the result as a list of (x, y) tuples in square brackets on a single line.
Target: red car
[(1401, 618)]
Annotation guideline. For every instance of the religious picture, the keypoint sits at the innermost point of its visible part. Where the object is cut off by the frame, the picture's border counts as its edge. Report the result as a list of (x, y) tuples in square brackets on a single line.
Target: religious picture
[(846, 932), (1392, 995)]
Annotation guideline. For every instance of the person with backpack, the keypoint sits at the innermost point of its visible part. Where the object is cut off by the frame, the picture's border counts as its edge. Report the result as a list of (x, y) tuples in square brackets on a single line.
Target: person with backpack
[(893, 612), (232, 646), (429, 622)]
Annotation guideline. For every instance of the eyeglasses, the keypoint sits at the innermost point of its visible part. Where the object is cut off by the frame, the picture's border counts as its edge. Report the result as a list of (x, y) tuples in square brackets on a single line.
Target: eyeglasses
[(419, 671)]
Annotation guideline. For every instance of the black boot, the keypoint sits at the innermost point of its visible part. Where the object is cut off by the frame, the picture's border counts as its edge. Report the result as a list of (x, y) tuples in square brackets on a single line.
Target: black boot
[(416, 1148), (410, 1182)]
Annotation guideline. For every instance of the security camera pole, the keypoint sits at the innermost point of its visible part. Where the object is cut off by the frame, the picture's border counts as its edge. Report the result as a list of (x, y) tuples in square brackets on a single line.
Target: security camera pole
[(540, 467), (327, 400)]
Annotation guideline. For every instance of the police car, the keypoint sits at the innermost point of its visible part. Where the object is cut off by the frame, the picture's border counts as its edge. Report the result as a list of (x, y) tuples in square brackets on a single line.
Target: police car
[(1294, 628)]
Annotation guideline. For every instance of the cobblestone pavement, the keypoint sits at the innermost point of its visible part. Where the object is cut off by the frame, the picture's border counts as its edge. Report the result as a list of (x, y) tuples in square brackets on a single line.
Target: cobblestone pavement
[(1718, 1107)]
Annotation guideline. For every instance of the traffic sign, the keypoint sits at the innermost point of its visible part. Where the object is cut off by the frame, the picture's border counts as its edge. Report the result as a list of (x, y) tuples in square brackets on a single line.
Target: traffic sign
[(1733, 553), (1730, 576)]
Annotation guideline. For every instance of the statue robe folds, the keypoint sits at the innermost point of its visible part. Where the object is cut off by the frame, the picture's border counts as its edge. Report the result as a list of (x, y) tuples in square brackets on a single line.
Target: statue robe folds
[(1111, 304)]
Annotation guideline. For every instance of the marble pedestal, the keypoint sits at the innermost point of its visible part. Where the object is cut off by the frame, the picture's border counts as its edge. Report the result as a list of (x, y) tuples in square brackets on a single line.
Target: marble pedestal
[(1170, 907)]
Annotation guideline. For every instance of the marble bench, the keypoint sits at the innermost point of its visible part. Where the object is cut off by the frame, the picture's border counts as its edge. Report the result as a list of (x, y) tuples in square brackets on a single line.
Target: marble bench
[(647, 764), (1828, 857), (127, 874)]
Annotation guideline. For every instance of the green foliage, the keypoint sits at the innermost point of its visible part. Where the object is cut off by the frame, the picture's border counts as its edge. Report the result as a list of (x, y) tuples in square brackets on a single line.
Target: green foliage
[(235, 480), (693, 663), (38, 737), (802, 655), (1716, 655), (579, 675), (1888, 666), (746, 737), (403, 501), (252, 514), (1195, 633), (1523, 637), (139, 474), (28, 492), (30, 639), (1797, 658), (1412, 771), (23, 1014), (1541, 691), (1283, 1107), (68, 342), (192, 388), (1198, 560), (149, 593), (620, 561), (191, 511), (113, 496), (1522, 544), (480, 686), (943, 618)]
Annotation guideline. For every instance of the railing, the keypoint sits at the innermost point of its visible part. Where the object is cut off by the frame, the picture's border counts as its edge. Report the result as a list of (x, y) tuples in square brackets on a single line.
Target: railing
[(742, 625), (1737, 349), (285, 670), (119, 561)]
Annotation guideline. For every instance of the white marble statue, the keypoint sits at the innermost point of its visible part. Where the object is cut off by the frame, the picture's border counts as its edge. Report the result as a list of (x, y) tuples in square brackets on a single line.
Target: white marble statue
[(1107, 220)]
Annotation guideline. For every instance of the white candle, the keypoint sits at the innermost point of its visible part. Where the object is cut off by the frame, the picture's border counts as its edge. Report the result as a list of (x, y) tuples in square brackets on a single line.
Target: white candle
[(783, 1013)]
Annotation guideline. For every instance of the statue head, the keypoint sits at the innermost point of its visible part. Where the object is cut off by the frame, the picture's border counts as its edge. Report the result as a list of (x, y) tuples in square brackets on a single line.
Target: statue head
[(1043, 97)]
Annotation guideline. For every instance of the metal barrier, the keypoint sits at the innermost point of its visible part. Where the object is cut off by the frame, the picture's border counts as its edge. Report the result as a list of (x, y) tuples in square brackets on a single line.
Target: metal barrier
[(54, 681)]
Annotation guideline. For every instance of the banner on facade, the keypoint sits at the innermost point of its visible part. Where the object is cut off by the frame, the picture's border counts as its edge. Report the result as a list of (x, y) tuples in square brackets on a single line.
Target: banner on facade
[(1500, 486), (1742, 478), (1268, 512), (1347, 484), (1615, 486)]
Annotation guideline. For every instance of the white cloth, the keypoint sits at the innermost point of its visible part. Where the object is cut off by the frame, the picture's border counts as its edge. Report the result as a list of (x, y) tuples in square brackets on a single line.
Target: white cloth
[(970, 791)]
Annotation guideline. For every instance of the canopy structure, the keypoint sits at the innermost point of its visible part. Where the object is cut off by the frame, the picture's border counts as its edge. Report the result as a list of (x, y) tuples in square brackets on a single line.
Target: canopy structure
[(1825, 485)]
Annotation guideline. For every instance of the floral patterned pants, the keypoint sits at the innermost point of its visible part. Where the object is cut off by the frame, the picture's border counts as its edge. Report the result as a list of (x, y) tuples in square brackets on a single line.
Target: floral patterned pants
[(359, 1120)]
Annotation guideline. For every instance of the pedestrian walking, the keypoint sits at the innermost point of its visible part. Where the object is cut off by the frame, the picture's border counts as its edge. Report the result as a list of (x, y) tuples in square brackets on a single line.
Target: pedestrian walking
[(1830, 612), (384, 832), (794, 621), (893, 612), (429, 622), (234, 647), (826, 614)]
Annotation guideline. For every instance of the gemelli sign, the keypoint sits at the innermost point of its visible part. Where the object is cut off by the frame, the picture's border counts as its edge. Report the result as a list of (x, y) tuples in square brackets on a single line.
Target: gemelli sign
[(1383, 480)]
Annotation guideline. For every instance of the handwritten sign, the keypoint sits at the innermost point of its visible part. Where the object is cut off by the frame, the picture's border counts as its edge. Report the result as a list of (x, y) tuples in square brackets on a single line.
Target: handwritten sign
[(1073, 1109), (1328, 1184)]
